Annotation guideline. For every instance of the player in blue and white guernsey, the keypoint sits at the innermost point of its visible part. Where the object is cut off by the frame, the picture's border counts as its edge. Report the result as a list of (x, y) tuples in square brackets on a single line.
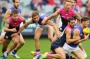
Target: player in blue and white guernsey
[(38, 19), (73, 6), (77, 33), (8, 13)]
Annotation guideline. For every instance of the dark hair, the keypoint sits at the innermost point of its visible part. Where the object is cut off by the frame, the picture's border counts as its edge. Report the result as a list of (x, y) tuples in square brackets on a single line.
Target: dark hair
[(14, 12), (69, 19), (75, 1), (34, 13), (67, 0), (84, 18), (13, 0)]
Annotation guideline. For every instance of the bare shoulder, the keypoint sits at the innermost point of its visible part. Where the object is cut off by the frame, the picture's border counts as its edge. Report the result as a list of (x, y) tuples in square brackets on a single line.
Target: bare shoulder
[(8, 11), (76, 31)]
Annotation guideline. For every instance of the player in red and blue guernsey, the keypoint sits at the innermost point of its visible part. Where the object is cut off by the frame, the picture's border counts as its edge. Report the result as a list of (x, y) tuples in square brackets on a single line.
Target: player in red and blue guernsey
[(7, 15), (12, 25), (65, 13)]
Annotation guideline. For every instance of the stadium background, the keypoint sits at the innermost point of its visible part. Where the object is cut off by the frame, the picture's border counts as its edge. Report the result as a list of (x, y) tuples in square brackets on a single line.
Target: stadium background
[(43, 6)]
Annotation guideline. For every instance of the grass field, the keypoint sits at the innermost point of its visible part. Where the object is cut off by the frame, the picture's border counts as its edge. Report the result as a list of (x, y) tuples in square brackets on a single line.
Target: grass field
[(29, 46)]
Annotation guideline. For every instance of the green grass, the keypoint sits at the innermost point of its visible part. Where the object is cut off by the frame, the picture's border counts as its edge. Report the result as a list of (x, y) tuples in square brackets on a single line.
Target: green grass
[(29, 46)]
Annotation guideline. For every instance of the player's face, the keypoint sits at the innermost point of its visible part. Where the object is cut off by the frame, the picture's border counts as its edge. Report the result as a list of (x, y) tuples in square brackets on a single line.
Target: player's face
[(15, 17), (16, 3), (86, 23), (67, 5), (72, 23), (73, 4), (36, 18)]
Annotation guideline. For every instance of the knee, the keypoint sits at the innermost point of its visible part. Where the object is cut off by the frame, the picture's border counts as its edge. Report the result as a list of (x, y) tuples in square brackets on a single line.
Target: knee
[(22, 42), (51, 38), (16, 42), (36, 38)]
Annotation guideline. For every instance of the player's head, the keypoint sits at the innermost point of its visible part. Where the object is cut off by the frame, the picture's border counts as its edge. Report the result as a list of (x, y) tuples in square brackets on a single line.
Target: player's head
[(85, 21), (35, 16), (67, 4), (71, 22), (73, 3), (16, 3), (15, 15)]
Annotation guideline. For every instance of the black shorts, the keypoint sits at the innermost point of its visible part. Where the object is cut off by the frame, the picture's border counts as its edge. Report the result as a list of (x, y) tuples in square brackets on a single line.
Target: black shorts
[(58, 43), (8, 36), (62, 28)]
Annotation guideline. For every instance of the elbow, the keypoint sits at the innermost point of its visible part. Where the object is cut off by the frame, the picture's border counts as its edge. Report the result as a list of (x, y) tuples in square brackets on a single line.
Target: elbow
[(5, 30)]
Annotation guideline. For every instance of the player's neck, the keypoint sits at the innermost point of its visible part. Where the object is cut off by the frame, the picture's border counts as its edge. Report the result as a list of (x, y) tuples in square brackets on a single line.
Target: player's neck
[(82, 25), (15, 7)]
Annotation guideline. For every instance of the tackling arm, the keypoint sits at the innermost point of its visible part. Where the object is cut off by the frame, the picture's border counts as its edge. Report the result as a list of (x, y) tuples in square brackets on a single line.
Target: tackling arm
[(68, 36)]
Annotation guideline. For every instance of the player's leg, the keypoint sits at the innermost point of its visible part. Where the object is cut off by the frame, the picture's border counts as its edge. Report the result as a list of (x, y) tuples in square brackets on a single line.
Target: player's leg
[(50, 33), (2, 37), (15, 43), (79, 54), (60, 54), (38, 32), (5, 45), (82, 49), (20, 44)]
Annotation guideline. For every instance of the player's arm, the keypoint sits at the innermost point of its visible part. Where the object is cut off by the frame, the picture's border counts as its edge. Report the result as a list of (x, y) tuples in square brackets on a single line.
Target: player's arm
[(25, 25), (77, 16), (77, 35), (7, 15), (68, 36), (55, 27), (58, 21), (24, 20), (6, 27), (51, 16)]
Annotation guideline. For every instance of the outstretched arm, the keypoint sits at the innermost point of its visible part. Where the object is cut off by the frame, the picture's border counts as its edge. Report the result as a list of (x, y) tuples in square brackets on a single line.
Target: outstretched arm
[(51, 16), (58, 21), (24, 26), (77, 16), (58, 33)]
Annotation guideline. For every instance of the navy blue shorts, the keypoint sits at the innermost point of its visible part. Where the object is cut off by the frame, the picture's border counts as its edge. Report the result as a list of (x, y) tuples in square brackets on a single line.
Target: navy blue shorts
[(58, 43)]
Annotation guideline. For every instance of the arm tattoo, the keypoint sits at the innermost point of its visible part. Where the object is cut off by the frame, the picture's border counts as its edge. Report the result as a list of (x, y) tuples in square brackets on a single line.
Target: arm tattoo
[(7, 24)]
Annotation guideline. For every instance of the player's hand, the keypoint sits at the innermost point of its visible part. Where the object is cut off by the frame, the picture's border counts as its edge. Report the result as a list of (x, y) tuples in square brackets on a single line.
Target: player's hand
[(86, 37), (13, 30), (14, 34)]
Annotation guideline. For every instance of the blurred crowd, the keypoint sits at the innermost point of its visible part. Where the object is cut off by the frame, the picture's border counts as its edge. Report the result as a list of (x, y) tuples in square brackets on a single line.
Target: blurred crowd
[(43, 6)]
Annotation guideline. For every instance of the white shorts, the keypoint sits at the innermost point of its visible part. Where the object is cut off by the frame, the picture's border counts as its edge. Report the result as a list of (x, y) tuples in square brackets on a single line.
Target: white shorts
[(68, 49), (43, 26), (3, 32)]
